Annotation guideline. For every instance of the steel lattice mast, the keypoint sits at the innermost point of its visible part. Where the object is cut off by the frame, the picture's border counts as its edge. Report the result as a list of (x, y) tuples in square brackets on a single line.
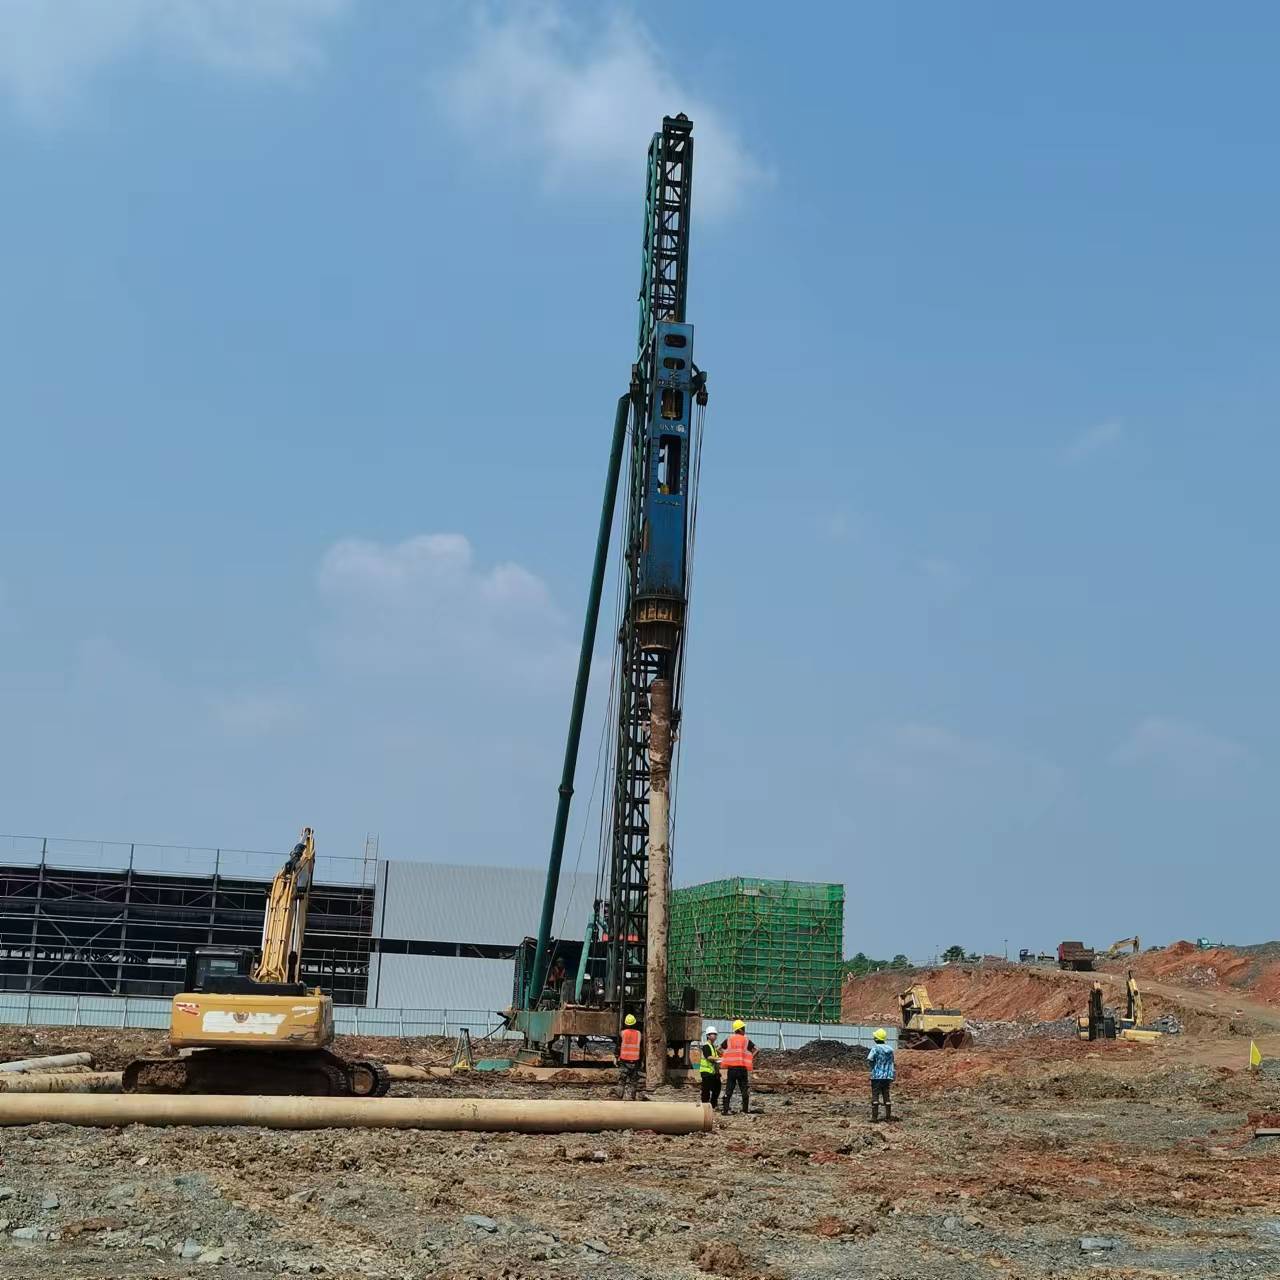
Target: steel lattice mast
[(657, 419), (665, 386)]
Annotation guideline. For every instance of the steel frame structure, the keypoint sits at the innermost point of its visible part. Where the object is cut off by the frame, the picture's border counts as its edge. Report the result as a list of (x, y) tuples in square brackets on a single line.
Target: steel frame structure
[(122, 930), (664, 285)]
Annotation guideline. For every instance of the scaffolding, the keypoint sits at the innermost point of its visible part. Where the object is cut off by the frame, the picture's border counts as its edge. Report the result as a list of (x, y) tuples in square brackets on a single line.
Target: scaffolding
[(760, 948), (98, 918)]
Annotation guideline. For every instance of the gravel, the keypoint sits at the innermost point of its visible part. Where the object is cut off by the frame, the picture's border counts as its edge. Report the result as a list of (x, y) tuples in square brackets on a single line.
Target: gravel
[(821, 1053)]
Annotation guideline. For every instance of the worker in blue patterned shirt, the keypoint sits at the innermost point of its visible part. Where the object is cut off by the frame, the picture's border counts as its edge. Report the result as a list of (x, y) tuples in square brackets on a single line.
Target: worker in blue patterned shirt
[(880, 1060)]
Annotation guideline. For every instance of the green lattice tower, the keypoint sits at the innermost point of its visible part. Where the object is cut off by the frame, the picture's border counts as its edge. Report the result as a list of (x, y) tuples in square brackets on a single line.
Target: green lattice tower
[(760, 948)]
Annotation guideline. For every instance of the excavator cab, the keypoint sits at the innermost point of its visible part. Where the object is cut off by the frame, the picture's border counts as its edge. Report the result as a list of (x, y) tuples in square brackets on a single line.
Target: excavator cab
[(209, 967), (229, 971)]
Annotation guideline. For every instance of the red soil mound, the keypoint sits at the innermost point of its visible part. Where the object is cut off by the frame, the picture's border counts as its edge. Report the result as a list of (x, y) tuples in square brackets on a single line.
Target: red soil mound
[(1005, 993), (1255, 970)]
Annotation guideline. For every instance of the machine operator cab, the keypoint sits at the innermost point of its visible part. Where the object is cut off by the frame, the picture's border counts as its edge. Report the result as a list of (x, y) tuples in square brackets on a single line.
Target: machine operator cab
[(228, 971)]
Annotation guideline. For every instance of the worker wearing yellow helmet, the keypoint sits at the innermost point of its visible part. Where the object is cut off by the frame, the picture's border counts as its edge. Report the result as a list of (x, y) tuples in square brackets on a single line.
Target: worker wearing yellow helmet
[(738, 1058), (880, 1060), (629, 1059)]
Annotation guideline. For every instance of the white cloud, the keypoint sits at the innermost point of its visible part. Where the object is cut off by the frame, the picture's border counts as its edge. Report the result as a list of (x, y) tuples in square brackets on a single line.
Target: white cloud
[(251, 714), (1184, 748), (945, 577), (425, 601), (49, 49), (937, 765), (584, 100), (838, 526), (1094, 440)]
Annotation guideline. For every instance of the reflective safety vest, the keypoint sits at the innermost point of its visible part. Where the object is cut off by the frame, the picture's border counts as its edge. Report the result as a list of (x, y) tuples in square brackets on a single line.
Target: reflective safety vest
[(735, 1052), (710, 1056), (630, 1050)]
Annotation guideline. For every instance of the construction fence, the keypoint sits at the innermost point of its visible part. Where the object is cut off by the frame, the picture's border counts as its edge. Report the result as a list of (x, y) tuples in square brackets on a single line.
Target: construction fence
[(148, 1013), (141, 1013)]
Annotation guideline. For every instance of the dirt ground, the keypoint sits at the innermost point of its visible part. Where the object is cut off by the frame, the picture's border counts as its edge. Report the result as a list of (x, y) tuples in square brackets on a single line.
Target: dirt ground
[(1000, 1162)]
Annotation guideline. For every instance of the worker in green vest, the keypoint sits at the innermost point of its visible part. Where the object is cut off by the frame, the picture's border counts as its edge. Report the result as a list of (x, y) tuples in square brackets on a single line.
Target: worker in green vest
[(709, 1068)]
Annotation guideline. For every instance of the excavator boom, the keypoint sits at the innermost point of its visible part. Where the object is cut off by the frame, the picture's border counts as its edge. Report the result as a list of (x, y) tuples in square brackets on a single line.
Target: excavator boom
[(1124, 946), (286, 919)]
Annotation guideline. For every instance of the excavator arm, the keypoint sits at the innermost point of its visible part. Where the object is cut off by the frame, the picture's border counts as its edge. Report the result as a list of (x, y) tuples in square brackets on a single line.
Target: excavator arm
[(286, 919), (1134, 1002), (1124, 946)]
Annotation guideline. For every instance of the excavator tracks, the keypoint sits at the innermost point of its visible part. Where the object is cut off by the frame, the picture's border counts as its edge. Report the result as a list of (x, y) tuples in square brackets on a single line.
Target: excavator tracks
[(369, 1079), (962, 1039), (313, 1074)]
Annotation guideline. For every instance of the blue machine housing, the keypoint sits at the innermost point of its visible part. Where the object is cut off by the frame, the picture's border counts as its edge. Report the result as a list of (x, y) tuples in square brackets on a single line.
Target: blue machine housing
[(662, 552)]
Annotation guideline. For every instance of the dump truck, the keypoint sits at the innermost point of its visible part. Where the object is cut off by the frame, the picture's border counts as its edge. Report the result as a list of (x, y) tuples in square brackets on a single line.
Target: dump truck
[(1075, 955)]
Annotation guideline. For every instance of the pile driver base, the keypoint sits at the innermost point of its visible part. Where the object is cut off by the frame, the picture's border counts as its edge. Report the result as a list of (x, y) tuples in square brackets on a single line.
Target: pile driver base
[(550, 1034)]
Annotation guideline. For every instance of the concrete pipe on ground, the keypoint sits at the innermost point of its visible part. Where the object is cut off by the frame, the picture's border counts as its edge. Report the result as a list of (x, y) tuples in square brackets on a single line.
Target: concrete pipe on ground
[(406, 1071), (483, 1115), (55, 1060), (67, 1082)]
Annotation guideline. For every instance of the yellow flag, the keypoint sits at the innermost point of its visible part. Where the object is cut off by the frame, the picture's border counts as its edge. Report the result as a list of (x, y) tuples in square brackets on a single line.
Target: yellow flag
[(1255, 1055)]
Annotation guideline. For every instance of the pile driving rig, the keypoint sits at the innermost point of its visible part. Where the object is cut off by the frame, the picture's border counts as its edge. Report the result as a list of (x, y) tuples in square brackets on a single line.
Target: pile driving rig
[(246, 1023), (619, 967)]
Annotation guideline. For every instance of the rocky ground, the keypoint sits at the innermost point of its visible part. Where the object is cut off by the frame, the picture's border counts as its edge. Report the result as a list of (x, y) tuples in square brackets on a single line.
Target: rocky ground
[(1038, 1158)]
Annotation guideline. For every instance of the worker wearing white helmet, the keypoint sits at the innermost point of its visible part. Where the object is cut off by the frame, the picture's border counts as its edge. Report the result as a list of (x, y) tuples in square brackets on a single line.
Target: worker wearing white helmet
[(709, 1067)]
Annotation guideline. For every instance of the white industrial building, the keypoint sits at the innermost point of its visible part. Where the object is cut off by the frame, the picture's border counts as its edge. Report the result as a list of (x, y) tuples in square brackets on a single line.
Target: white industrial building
[(445, 936)]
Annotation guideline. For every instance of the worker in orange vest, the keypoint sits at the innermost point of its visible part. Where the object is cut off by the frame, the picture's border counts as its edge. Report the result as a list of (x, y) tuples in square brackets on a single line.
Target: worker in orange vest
[(738, 1058), (629, 1059)]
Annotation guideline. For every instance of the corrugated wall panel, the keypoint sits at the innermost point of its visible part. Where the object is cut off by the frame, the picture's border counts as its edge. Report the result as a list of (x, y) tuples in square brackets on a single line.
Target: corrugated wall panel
[(436, 902), (443, 982)]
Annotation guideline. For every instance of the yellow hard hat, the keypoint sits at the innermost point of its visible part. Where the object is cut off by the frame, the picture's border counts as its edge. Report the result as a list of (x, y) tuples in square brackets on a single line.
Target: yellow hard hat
[(629, 1020), (880, 1035), (739, 1025)]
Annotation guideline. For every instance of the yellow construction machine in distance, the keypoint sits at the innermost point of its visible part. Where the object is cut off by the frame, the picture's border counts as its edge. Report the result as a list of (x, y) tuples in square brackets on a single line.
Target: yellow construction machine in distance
[(924, 1026), (247, 1024), (1098, 1025), (1123, 946), (1131, 1025)]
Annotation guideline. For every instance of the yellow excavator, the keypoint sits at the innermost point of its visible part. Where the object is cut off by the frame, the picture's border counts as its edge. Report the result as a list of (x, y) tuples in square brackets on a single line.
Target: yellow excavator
[(246, 1023), (1122, 947), (1097, 1024), (925, 1026)]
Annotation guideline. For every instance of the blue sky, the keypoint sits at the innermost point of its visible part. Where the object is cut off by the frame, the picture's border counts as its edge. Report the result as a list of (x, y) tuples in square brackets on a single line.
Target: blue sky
[(315, 312)]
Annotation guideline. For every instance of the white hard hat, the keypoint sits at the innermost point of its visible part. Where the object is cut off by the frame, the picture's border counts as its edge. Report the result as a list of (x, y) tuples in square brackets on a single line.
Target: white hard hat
[(711, 1031)]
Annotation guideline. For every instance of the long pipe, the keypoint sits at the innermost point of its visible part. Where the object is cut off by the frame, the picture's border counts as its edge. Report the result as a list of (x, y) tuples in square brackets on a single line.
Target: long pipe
[(55, 1060), (507, 1115), (585, 652), (407, 1071), (659, 872), (67, 1082)]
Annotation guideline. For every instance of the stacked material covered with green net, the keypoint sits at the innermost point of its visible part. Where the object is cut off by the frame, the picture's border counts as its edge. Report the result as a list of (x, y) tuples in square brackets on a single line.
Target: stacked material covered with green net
[(759, 948)]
